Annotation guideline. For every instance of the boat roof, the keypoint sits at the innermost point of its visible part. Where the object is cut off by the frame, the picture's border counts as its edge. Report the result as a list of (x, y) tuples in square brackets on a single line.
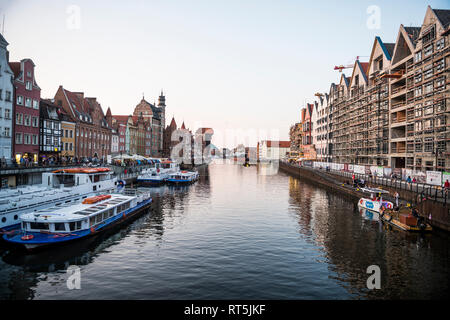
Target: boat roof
[(373, 190), (82, 170), (68, 212)]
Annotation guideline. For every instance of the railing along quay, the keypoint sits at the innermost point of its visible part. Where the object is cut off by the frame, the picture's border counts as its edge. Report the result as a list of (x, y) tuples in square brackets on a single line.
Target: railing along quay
[(435, 193)]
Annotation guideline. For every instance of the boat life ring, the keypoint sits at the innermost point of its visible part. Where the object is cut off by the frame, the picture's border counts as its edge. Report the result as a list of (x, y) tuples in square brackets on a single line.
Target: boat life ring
[(121, 183), (27, 237), (361, 201), (92, 230)]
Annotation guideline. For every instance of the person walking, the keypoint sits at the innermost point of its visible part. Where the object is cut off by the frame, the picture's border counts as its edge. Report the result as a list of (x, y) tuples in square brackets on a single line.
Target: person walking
[(396, 196)]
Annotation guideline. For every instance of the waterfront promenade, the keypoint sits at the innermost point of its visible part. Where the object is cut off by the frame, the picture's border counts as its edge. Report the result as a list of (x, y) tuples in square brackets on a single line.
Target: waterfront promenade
[(429, 199)]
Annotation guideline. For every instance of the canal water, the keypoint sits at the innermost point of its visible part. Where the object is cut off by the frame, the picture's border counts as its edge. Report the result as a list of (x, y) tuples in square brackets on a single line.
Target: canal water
[(238, 233)]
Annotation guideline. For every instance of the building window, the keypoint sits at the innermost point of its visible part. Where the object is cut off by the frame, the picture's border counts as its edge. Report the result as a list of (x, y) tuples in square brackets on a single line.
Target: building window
[(8, 95), (7, 114), (20, 100), (18, 138), (26, 139), (29, 85), (7, 132), (19, 118), (440, 44), (35, 139), (35, 122), (418, 56), (28, 102), (428, 50), (27, 120), (35, 104)]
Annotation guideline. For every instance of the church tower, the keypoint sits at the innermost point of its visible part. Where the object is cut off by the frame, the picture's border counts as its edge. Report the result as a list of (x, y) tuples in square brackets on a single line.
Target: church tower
[(162, 106)]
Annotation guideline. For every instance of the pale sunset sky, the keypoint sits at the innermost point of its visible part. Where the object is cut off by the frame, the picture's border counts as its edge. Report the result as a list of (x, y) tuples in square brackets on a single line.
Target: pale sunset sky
[(242, 66)]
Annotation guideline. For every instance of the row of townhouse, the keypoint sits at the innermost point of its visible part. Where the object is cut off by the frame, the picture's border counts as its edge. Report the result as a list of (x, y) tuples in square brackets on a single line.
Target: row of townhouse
[(69, 125), (142, 132), (392, 110)]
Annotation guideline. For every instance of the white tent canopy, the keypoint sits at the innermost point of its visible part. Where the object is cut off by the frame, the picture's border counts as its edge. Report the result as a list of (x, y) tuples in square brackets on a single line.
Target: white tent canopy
[(123, 157)]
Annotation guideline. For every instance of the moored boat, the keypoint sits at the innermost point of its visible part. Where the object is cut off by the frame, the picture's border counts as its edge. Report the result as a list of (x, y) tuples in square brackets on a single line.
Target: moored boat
[(59, 187), (66, 223), (183, 177), (404, 220), (158, 174), (375, 203)]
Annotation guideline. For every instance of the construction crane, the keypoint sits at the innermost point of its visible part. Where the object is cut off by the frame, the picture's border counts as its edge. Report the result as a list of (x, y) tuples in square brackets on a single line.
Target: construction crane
[(341, 67)]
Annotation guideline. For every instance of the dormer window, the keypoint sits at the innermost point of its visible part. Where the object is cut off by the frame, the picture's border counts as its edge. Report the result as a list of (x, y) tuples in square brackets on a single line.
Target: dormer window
[(379, 63), (429, 35)]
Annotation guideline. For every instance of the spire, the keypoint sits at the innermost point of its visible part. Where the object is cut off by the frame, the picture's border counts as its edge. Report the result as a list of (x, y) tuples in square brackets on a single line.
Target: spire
[(162, 100), (183, 126), (173, 124)]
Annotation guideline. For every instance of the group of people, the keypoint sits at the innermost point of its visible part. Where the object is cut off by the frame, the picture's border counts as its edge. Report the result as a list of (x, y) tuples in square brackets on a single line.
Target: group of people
[(358, 183), (50, 161)]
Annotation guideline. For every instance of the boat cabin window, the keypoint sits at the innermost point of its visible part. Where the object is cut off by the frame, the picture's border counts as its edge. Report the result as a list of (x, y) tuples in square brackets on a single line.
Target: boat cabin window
[(123, 207), (60, 226), (68, 180), (75, 225), (92, 221), (38, 226), (98, 218), (96, 178)]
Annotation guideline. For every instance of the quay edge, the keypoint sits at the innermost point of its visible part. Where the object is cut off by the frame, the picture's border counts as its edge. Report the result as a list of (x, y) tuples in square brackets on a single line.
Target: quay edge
[(440, 212)]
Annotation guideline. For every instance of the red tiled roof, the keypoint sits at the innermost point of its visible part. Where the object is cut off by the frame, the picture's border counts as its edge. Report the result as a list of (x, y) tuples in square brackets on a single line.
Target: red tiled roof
[(15, 67), (279, 144), (123, 119), (364, 66)]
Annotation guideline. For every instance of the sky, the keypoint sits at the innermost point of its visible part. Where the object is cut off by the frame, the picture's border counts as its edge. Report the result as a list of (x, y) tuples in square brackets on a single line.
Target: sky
[(244, 68)]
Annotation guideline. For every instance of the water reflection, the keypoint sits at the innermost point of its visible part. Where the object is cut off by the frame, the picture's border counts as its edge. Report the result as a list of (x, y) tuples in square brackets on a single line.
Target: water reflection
[(238, 233), (351, 245)]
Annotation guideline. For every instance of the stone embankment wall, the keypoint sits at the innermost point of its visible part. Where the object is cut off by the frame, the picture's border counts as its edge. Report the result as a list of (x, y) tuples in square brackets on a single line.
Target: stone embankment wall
[(440, 212)]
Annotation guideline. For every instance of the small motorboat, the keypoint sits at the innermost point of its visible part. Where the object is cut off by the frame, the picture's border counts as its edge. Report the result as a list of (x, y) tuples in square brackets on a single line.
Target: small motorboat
[(183, 177), (405, 220), (375, 203)]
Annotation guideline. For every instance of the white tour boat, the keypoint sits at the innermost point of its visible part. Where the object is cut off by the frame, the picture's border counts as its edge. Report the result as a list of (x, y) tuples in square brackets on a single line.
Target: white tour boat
[(57, 188), (375, 203), (158, 174), (69, 222)]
